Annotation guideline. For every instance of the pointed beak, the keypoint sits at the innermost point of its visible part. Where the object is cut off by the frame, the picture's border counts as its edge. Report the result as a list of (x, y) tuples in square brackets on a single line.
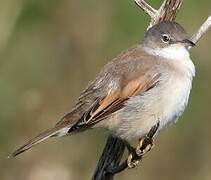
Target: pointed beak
[(187, 42)]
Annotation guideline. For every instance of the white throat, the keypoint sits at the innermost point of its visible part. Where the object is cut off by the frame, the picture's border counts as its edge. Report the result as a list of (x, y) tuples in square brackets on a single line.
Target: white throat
[(177, 53), (173, 52)]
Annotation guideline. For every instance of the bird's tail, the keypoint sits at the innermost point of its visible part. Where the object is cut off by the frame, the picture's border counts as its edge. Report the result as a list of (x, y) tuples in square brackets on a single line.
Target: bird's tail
[(41, 137)]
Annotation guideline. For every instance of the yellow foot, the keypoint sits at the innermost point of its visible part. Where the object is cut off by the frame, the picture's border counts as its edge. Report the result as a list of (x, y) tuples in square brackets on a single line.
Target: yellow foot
[(132, 163), (144, 146)]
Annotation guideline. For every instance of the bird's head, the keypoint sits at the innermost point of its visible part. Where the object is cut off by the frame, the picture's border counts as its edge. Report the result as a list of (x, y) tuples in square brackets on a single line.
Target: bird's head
[(166, 34)]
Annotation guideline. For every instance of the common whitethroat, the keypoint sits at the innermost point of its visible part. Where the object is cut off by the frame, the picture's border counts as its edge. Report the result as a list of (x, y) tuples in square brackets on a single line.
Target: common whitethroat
[(144, 85)]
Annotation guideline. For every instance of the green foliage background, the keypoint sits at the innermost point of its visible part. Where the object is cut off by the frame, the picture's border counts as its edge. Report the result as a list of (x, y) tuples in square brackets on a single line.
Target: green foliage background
[(50, 49)]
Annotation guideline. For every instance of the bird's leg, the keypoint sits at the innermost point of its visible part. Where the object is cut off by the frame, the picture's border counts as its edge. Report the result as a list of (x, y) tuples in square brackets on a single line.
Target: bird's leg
[(132, 161), (145, 145), (136, 154)]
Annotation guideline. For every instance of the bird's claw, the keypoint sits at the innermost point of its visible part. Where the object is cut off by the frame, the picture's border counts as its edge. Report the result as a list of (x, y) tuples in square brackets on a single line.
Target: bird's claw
[(144, 146), (142, 149), (131, 162)]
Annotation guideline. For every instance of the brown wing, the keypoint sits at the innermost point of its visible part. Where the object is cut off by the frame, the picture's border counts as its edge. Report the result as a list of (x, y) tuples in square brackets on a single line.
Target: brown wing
[(102, 108), (131, 73)]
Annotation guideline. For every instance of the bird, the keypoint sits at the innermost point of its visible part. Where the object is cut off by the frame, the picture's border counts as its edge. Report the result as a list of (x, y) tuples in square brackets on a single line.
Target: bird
[(147, 84)]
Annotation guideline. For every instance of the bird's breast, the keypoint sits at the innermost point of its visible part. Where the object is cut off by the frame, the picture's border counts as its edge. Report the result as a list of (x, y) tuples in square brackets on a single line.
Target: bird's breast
[(165, 103), (173, 101)]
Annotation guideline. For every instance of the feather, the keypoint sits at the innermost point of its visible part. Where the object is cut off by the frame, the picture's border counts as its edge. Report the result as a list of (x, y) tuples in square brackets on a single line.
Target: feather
[(36, 140)]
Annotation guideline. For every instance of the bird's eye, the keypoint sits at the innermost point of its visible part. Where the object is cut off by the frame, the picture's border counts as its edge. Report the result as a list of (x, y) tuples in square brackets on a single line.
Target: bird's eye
[(165, 38)]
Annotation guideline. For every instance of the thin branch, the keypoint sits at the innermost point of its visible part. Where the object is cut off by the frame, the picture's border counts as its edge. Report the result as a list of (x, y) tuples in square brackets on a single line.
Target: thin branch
[(109, 159), (202, 30), (146, 8), (167, 11)]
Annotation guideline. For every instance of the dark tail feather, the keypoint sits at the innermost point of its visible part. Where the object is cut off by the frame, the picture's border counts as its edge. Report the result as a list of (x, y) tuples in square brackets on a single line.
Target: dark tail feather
[(38, 139)]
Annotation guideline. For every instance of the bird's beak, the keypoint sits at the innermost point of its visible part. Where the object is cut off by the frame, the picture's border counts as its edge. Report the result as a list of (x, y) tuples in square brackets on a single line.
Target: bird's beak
[(187, 43)]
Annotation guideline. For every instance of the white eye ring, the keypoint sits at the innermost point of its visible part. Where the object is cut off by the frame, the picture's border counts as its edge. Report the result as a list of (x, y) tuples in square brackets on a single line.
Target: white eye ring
[(165, 38)]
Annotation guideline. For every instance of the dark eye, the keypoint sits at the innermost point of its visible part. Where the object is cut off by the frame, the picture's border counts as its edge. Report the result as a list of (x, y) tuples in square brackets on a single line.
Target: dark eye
[(165, 38)]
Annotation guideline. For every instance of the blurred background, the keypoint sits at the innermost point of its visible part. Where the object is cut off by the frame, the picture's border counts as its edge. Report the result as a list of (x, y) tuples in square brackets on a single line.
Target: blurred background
[(50, 49)]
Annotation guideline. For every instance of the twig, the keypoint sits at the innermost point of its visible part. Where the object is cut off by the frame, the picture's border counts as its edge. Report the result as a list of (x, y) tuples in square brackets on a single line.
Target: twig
[(167, 11), (202, 30), (109, 159), (114, 147), (146, 7)]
